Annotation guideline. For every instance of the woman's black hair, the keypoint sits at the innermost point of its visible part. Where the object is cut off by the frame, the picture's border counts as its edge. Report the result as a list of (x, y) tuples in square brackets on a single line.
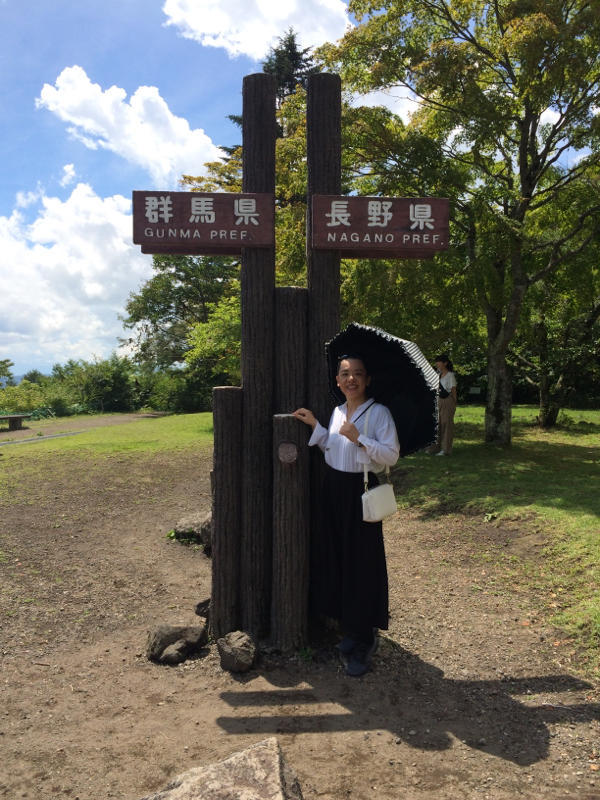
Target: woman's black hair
[(356, 356), (445, 360)]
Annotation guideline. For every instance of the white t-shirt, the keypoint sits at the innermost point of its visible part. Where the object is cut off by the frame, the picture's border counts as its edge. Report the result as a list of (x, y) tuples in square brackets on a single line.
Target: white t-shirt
[(380, 447), (448, 381)]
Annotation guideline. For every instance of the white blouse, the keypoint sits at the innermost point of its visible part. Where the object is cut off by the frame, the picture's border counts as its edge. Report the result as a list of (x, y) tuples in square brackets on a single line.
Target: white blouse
[(448, 380), (380, 447)]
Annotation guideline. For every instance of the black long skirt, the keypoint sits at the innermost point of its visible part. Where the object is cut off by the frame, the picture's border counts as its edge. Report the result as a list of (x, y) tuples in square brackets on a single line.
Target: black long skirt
[(349, 580)]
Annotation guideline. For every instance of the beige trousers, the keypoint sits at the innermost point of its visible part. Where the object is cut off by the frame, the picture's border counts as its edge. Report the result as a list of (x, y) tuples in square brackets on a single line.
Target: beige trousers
[(447, 409)]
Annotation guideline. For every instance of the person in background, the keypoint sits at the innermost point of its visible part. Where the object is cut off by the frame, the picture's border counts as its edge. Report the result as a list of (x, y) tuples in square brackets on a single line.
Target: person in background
[(446, 405), (350, 581)]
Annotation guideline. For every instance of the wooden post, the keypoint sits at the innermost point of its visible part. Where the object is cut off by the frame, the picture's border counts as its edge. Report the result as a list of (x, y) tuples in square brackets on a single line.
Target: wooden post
[(290, 352), (323, 148), (258, 282), (289, 609), (323, 143), (226, 479), (291, 506)]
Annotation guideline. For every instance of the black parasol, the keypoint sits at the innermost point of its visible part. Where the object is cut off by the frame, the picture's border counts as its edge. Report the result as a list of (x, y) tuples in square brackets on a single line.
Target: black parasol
[(401, 378)]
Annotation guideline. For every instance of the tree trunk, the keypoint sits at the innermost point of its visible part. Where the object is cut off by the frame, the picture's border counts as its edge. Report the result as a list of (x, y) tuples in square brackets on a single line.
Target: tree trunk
[(501, 329), (549, 410), (549, 401), (552, 398), (498, 411)]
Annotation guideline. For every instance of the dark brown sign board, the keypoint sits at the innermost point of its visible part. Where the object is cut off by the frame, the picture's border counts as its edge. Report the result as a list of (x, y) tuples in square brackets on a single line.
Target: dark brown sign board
[(190, 250), (194, 223), (380, 227)]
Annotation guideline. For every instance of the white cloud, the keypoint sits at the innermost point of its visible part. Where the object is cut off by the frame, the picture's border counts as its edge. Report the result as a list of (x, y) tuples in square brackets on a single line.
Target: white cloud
[(251, 27), (66, 277), (25, 199), (142, 130), (69, 175), (398, 101), (550, 116)]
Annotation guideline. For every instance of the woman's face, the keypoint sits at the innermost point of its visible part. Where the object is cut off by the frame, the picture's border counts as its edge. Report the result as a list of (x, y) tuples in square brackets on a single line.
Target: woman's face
[(353, 380)]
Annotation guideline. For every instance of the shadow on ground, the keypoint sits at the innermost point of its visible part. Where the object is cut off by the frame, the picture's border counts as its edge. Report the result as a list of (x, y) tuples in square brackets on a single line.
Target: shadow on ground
[(416, 704)]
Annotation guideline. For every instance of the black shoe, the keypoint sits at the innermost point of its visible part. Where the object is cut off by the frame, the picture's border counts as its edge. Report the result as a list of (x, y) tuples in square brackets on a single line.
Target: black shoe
[(347, 645), (350, 640), (359, 660)]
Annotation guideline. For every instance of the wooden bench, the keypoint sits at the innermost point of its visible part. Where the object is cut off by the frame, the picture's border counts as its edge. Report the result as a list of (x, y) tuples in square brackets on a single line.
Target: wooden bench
[(15, 421)]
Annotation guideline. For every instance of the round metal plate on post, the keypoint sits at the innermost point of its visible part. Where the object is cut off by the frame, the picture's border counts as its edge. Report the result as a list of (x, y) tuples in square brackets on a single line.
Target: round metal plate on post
[(287, 453)]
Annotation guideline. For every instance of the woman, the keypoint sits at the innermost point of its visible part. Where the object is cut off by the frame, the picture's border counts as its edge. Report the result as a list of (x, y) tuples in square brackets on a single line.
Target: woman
[(350, 583), (446, 405)]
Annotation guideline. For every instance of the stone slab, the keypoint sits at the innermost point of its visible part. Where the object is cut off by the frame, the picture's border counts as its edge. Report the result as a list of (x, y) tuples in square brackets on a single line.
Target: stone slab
[(257, 773)]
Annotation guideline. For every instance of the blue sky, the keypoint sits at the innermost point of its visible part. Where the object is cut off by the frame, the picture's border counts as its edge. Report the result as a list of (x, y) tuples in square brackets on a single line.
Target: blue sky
[(98, 99)]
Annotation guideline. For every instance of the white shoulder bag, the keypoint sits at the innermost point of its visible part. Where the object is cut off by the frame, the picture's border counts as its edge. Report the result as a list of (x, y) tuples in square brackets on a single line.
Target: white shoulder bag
[(380, 501)]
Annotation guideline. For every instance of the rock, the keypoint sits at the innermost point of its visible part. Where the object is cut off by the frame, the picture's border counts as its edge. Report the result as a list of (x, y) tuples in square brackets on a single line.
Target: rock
[(203, 608), (172, 644), (257, 773), (237, 651), (195, 528), (174, 653)]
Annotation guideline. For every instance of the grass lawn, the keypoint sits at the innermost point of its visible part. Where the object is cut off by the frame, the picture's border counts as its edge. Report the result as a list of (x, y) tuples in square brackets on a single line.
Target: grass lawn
[(142, 435), (548, 480)]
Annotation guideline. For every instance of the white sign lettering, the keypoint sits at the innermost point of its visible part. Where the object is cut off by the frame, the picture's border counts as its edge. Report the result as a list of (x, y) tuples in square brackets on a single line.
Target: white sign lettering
[(339, 214), (420, 216), (379, 213), (244, 209), (159, 209), (202, 209)]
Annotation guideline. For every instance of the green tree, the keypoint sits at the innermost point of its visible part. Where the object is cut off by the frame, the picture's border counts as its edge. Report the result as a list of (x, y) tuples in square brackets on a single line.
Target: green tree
[(6, 376), (22, 398), (290, 65), (216, 342), (34, 376), (180, 294), (224, 175), (508, 93), (100, 386), (557, 346)]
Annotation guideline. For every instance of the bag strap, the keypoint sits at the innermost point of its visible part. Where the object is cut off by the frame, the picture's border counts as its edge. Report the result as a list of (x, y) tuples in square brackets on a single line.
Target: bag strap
[(366, 432), (362, 412)]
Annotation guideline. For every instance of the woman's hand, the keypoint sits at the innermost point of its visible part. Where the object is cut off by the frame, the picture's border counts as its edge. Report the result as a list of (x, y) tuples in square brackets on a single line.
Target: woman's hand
[(306, 416), (350, 431)]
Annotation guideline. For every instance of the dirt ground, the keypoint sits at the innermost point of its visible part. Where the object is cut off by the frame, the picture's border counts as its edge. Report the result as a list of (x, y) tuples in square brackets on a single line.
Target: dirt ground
[(471, 694)]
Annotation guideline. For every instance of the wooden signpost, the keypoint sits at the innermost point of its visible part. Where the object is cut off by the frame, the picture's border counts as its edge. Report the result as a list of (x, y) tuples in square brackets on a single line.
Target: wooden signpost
[(265, 484), (198, 224), (380, 227)]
